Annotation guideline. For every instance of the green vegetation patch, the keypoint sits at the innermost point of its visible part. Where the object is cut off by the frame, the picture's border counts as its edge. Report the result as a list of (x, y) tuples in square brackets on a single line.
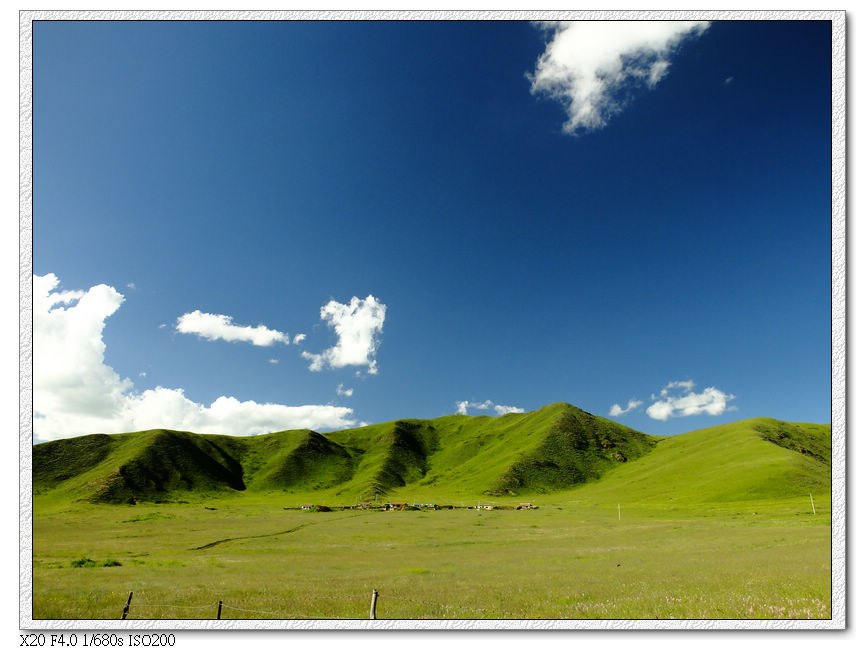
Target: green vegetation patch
[(813, 440), (60, 460), (578, 448)]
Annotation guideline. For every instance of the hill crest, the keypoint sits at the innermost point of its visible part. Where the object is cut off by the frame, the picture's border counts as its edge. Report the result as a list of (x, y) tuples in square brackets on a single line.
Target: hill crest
[(556, 447)]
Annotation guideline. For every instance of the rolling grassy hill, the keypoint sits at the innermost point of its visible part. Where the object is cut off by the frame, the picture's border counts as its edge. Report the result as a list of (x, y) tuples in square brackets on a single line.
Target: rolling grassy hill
[(558, 447), (755, 459)]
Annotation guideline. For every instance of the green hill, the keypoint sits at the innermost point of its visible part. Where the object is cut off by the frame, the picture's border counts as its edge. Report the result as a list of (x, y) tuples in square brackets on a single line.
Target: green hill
[(759, 458), (558, 447)]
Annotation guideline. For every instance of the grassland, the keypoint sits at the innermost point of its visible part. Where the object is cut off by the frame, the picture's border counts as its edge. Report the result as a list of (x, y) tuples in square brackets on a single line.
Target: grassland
[(714, 524), (554, 447)]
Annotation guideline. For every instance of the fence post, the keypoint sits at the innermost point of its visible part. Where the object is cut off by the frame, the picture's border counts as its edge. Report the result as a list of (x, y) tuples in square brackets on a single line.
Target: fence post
[(813, 510), (219, 611), (126, 607), (372, 606)]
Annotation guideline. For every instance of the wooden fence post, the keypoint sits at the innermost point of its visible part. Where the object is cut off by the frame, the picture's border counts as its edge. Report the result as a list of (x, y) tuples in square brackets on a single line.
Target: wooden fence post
[(372, 606), (219, 611), (126, 607), (813, 509)]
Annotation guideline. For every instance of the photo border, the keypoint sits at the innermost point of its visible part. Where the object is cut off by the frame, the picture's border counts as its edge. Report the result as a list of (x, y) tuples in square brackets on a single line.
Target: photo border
[(838, 328)]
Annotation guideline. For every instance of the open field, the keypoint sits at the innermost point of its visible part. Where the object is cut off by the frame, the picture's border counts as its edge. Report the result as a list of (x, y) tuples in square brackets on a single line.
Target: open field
[(760, 559), (716, 523)]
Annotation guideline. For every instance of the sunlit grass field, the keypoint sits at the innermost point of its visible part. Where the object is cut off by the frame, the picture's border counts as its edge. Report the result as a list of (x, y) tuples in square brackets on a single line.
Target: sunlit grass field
[(712, 524), (570, 558)]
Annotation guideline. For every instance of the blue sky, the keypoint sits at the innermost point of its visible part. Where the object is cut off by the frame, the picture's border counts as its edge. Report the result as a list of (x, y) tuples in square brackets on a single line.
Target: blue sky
[(664, 241)]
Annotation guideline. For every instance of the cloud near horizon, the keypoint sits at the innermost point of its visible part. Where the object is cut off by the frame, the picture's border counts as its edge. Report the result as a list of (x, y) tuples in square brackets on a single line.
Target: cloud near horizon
[(214, 327), (76, 393), (711, 402), (592, 66), (616, 410), (357, 325), (678, 399), (683, 385), (500, 409)]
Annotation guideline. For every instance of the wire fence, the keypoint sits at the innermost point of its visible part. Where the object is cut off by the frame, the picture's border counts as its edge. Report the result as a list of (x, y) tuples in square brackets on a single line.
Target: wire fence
[(219, 608)]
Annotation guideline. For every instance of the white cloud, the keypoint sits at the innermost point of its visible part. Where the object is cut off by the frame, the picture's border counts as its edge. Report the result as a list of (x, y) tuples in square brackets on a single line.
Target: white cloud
[(356, 325), (616, 410), (684, 385), (75, 392), (219, 326), (711, 401), (154, 408), (130, 285), (345, 392), (502, 410), (298, 338), (591, 66), (462, 407), (273, 361), (142, 374)]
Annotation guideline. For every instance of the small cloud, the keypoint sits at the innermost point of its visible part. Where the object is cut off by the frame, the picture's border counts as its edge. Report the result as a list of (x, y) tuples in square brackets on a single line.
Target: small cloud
[(298, 338), (142, 374), (131, 285), (214, 327), (680, 400), (162, 325), (345, 392), (357, 325), (616, 410), (273, 361), (463, 406), (592, 67), (684, 385), (728, 81)]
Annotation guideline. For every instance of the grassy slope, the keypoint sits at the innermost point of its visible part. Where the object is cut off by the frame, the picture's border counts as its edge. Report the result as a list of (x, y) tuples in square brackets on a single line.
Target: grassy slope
[(447, 459), (729, 462), (147, 464)]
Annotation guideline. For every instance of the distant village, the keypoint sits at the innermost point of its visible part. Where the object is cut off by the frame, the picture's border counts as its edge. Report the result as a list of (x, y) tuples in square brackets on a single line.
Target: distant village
[(402, 505)]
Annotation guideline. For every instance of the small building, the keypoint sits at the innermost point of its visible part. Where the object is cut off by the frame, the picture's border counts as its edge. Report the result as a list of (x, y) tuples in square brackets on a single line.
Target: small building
[(396, 505), (484, 506), (524, 506), (308, 506)]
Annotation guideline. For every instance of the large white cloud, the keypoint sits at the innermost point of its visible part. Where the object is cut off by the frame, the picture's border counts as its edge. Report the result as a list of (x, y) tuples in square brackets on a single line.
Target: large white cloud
[(219, 326), (591, 66), (357, 325), (711, 401), (463, 407), (75, 392)]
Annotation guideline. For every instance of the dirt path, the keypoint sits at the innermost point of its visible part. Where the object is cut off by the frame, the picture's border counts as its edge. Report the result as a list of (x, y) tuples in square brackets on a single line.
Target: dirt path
[(281, 532)]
